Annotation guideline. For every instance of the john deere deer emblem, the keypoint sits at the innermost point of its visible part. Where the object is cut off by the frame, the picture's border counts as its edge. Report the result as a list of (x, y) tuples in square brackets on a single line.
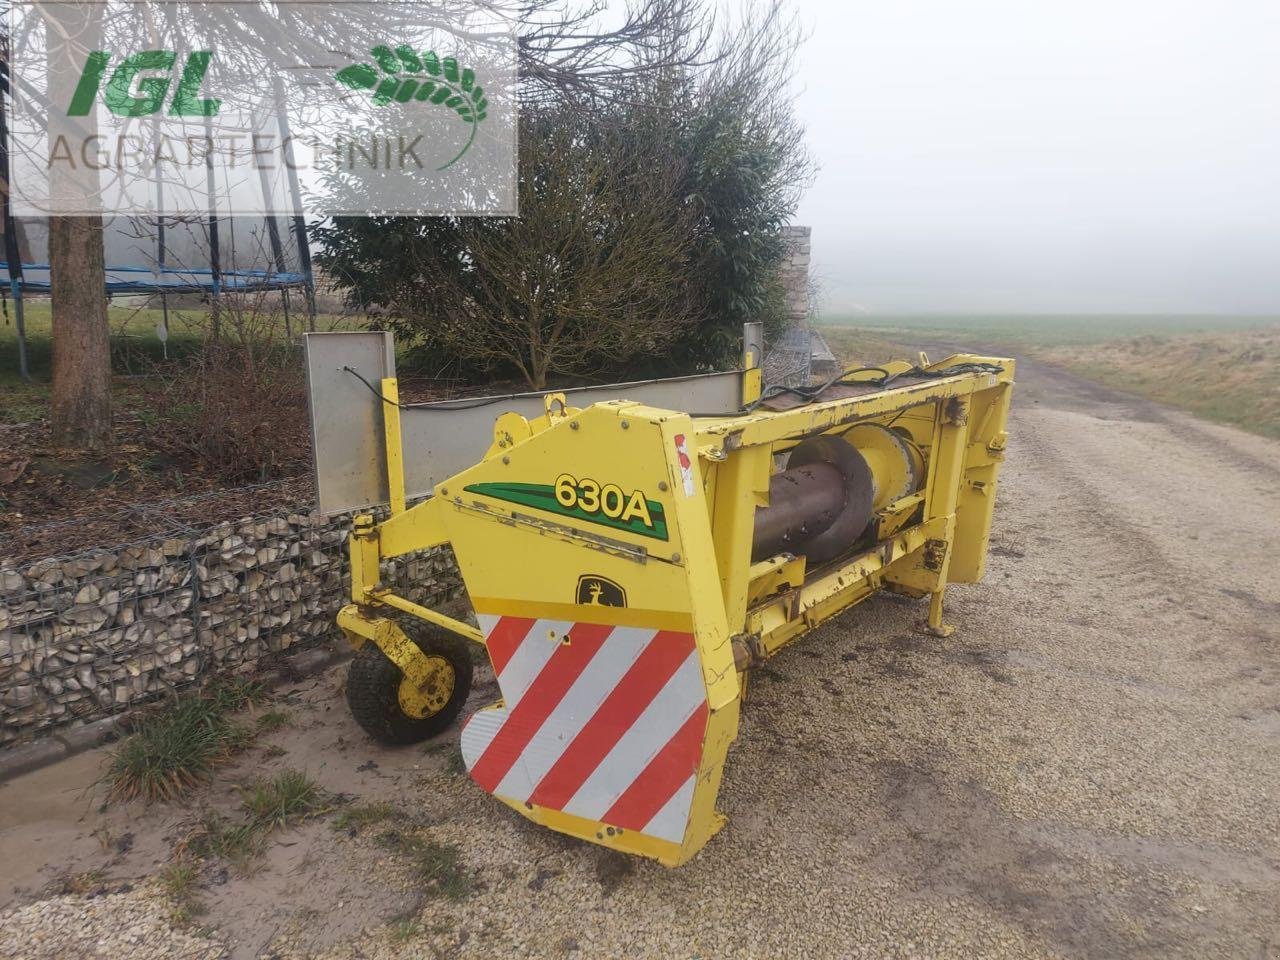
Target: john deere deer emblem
[(594, 591), (409, 77)]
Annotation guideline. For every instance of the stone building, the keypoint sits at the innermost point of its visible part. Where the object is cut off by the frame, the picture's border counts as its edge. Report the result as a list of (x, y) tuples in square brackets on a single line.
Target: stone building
[(799, 353)]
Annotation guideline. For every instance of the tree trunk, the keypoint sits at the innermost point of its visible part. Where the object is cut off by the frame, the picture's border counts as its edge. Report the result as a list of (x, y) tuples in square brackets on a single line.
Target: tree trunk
[(80, 408), (81, 401)]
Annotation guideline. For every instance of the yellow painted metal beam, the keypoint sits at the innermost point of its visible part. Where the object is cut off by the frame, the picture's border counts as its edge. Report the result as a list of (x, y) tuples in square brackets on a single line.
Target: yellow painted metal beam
[(779, 621), (421, 527), (395, 449), (725, 434), (363, 546), (389, 599)]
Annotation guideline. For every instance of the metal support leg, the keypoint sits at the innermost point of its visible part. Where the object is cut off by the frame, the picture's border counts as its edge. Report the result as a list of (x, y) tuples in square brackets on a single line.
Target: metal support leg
[(951, 437), (935, 627)]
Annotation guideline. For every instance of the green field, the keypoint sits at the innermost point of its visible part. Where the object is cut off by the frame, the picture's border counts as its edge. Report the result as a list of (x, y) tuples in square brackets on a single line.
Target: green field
[(135, 346), (1225, 369), (1048, 329)]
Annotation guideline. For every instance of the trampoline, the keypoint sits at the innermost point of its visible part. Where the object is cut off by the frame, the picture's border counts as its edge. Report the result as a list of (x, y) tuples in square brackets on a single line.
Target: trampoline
[(210, 256), (144, 280)]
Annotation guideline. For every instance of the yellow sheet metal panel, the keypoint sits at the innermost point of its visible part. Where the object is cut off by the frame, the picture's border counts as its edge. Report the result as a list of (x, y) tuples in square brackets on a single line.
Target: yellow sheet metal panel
[(977, 497), (587, 551)]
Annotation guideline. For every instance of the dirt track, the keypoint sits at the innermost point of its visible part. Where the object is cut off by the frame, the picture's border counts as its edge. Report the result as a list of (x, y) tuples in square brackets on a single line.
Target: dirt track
[(1089, 767)]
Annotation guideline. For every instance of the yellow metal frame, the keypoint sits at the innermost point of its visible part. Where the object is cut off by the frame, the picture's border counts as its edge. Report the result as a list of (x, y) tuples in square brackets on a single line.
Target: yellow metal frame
[(703, 478)]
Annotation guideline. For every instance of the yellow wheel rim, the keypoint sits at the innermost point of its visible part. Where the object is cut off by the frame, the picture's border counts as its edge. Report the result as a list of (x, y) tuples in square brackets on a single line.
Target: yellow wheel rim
[(426, 695)]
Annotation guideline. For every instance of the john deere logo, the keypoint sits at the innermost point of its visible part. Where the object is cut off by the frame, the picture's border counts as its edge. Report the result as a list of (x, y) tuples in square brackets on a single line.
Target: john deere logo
[(594, 591), (405, 76), (128, 96)]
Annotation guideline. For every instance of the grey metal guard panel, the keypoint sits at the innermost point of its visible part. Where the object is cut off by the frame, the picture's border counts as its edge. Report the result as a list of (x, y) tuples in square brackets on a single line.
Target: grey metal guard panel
[(439, 439), (346, 418), (752, 344), (442, 438)]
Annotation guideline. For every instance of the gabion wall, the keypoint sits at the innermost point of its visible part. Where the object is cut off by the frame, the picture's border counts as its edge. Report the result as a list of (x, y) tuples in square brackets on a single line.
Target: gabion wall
[(88, 635)]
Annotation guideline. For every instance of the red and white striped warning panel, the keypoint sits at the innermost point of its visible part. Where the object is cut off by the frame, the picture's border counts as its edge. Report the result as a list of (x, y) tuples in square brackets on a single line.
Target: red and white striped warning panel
[(601, 722)]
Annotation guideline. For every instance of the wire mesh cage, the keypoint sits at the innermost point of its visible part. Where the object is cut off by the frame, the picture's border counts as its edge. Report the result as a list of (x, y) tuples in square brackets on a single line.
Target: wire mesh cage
[(89, 634), (788, 360)]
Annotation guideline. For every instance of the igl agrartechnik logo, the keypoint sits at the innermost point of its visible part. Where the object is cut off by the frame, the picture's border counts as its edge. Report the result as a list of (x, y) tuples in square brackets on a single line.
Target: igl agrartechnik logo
[(408, 77), (398, 107), (120, 96), (140, 86)]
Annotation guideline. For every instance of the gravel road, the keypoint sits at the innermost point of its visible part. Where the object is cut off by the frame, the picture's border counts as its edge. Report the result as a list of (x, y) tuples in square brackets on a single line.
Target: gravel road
[(1089, 767)]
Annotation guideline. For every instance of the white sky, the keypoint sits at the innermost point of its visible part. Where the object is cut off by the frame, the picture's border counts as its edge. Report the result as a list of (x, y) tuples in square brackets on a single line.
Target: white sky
[(1044, 155)]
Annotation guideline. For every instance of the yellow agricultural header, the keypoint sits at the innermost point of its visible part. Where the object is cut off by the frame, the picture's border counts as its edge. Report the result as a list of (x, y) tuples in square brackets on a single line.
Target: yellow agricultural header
[(629, 565)]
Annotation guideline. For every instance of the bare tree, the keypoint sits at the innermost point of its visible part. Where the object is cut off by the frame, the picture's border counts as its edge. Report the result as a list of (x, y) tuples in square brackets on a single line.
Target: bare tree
[(80, 409), (572, 50)]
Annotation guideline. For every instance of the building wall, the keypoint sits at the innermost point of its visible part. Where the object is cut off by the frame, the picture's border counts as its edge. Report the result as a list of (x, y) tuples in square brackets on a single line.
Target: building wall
[(787, 355), (795, 274)]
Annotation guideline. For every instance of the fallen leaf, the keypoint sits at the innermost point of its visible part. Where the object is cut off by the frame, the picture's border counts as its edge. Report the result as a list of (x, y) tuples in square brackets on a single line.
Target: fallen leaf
[(12, 471)]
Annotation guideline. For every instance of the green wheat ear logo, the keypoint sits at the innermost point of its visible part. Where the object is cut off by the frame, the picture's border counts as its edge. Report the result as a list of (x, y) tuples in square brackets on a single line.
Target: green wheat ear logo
[(408, 77)]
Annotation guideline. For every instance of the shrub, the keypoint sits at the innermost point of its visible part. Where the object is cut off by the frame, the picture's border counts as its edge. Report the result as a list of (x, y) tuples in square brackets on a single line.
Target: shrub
[(236, 407), (649, 225)]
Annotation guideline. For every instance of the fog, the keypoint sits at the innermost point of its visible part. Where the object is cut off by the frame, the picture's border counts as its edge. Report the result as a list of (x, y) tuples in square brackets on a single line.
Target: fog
[(1047, 156)]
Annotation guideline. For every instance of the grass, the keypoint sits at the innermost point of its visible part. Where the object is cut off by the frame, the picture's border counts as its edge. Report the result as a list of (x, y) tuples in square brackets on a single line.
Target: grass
[(857, 346), (1045, 329), (273, 720), (134, 343), (285, 798), (176, 747), (405, 929), (180, 881), (237, 842), (362, 815), (82, 884), (22, 401), (1225, 369), (438, 865), (1229, 380), (268, 804)]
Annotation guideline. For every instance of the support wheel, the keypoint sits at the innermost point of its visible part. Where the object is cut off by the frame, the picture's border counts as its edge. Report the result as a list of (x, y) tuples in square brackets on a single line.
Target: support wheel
[(393, 709)]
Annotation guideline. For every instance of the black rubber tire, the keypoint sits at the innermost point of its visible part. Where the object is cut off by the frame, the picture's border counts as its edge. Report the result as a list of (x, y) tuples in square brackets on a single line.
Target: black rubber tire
[(373, 687)]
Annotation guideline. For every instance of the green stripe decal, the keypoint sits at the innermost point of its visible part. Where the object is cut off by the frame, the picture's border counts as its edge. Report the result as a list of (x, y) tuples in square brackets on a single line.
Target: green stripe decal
[(542, 496)]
